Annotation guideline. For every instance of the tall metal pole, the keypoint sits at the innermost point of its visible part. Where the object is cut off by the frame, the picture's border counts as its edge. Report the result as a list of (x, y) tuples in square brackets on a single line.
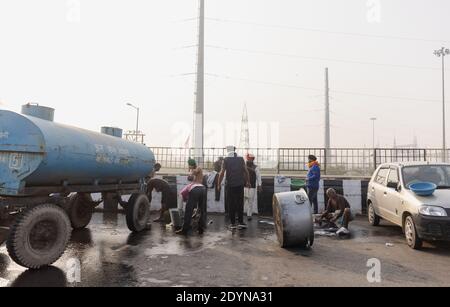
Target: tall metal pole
[(442, 53), (200, 92), (444, 142), (136, 133), (373, 134), (373, 119), (327, 156), (137, 124), (327, 113)]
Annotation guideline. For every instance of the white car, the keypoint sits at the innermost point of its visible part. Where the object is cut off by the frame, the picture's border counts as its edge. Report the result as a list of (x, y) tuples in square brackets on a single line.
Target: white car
[(423, 218)]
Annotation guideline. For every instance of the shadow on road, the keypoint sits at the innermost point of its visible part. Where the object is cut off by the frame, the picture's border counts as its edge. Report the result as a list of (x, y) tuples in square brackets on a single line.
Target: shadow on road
[(46, 277)]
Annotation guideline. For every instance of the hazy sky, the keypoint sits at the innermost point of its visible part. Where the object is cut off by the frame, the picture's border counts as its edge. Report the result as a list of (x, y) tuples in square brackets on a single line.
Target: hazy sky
[(87, 58)]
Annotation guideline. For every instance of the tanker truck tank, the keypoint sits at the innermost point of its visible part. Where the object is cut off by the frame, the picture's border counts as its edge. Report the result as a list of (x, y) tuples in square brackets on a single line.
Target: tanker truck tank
[(48, 173), (36, 152)]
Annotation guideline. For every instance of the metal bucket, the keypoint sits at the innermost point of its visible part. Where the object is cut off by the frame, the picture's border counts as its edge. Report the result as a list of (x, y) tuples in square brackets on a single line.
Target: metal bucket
[(177, 217), (293, 219)]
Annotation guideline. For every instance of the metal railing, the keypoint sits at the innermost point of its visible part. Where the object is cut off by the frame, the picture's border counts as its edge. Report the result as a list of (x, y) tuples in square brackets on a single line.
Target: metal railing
[(335, 161)]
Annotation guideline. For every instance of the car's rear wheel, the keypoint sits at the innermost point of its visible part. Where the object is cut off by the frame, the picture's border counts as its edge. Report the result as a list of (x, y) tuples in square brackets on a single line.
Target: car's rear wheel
[(374, 219), (411, 236)]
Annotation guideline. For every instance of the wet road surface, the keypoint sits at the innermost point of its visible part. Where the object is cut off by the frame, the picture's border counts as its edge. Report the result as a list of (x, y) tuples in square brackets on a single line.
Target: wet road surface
[(111, 256)]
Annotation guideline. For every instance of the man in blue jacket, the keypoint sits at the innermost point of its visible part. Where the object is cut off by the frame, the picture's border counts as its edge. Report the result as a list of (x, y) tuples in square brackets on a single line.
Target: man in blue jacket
[(313, 180)]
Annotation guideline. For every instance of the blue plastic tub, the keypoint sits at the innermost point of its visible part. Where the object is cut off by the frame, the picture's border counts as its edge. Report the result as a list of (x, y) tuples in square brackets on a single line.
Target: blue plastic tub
[(423, 188)]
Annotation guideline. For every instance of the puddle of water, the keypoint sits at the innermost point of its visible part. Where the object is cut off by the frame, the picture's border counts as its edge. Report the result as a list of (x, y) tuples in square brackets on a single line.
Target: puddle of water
[(182, 246)]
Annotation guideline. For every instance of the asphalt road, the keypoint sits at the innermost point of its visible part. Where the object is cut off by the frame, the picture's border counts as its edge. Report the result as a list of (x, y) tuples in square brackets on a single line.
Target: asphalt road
[(111, 256)]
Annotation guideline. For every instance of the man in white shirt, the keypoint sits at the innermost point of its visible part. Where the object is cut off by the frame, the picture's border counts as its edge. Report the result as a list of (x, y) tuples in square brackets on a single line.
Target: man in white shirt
[(251, 193)]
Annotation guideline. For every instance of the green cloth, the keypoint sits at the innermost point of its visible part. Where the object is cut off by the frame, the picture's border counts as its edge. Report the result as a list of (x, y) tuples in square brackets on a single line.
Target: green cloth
[(298, 183), (191, 162)]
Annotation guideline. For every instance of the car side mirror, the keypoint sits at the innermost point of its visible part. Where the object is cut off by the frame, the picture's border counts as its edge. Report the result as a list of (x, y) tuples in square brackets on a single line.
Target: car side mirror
[(394, 185)]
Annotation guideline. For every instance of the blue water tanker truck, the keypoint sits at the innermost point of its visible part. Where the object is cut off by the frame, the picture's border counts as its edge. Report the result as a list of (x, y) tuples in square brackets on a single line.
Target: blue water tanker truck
[(48, 173)]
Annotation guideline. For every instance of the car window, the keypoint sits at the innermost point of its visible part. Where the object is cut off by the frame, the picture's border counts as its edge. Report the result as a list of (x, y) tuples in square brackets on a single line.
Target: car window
[(393, 176), (381, 176), (437, 174)]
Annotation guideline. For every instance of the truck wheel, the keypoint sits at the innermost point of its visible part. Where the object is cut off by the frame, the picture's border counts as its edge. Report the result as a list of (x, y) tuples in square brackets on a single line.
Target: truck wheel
[(374, 219), (137, 212), (412, 238), (80, 210), (39, 236)]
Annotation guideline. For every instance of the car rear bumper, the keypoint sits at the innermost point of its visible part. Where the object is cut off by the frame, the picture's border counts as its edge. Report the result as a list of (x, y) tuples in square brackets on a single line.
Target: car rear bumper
[(433, 228)]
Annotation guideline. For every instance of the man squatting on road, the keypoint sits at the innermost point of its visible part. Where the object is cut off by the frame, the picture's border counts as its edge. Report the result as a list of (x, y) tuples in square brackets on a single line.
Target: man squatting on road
[(338, 211)]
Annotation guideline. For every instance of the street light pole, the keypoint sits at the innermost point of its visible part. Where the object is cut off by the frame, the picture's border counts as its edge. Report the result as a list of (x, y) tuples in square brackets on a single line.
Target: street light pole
[(373, 119), (442, 53), (137, 120)]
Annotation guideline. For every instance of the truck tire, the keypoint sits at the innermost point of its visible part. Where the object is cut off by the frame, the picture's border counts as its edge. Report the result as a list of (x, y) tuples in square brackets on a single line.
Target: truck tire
[(137, 212), (80, 210), (39, 236)]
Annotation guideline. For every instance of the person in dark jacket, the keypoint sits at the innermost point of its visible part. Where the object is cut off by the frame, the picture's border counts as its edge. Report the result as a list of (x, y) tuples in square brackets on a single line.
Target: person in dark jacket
[(217, 169), (237, 177), (313, 181)]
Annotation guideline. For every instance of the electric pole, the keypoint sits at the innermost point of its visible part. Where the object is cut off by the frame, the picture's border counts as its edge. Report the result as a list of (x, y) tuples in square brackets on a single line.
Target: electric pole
[(245, 132), (327, 118), (200, 92)]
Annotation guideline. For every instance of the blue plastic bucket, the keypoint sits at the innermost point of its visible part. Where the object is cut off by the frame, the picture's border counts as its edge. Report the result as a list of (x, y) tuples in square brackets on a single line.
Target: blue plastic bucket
[(423, 188)]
